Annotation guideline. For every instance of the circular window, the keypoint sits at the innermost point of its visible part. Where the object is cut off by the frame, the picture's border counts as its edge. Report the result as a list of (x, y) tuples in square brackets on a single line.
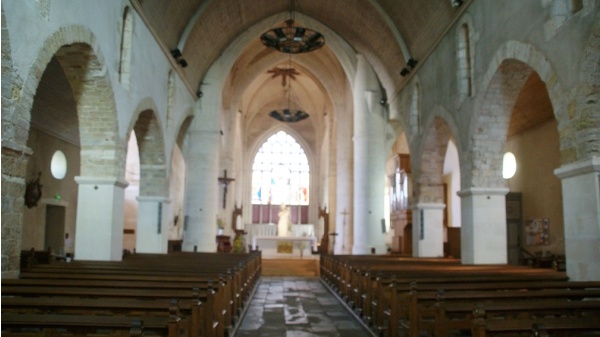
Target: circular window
[(58, 165), (509, 165)]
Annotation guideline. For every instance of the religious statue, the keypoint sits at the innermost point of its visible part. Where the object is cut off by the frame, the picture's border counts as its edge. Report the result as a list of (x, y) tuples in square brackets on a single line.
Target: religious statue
[(284, 221)]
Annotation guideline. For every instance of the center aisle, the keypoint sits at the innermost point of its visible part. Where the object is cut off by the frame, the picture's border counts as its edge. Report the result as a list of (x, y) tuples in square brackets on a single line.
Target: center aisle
[(297, 307)]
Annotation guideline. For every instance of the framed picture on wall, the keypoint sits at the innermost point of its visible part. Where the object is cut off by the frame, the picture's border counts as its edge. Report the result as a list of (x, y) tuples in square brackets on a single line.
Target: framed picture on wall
[(537, 232)]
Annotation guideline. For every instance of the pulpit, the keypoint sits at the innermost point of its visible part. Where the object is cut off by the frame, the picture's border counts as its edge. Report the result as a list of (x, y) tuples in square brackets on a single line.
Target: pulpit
[(223, 243)]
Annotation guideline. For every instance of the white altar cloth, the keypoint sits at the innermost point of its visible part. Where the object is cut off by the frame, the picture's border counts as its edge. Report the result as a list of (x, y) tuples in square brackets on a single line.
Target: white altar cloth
[(269, 244)]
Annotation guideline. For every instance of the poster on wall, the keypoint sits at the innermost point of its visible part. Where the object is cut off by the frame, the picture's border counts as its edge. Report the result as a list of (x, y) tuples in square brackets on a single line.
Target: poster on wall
[(537, 231)]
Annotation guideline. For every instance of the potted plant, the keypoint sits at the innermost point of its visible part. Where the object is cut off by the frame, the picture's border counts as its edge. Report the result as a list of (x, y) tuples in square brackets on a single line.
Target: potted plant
[(220, 226)]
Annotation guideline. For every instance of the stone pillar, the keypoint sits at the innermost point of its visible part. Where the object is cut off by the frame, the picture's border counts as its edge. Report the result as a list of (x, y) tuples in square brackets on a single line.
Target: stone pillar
[(202, 192), (152, 232), (369, 161), (428, 230), (100, 214), (581, 205), (483, 232), (343, 176)]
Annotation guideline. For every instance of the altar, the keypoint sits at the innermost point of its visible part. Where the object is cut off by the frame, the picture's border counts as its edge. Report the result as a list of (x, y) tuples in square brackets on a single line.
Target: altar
[(299, 243), (285, 246)]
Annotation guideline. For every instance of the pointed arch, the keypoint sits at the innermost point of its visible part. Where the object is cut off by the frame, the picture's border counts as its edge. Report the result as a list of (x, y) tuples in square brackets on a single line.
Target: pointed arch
[(281, 174)]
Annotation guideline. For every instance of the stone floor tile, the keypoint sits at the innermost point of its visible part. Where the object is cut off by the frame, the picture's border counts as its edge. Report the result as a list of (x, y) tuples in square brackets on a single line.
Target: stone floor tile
[(297, 307)]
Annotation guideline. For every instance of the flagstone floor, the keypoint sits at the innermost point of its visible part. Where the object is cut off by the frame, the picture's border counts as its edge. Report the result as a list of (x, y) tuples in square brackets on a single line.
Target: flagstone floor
[(297, 307)]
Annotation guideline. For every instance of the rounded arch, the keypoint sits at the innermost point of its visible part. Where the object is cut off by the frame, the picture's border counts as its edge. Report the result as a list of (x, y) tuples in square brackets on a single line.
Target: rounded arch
[(80, 57), (438, 131), (153, 166), (501, 85)]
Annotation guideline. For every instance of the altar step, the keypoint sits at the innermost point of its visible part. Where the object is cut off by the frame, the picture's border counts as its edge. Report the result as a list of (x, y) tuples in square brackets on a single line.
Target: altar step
[(290, 267)]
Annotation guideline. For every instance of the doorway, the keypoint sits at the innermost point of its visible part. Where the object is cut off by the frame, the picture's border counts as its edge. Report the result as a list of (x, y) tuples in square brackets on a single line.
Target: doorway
[(55, 229)]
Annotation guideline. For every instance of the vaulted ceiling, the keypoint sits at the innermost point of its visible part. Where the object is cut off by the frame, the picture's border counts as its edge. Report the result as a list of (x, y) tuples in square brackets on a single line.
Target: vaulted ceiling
[(388, 31)]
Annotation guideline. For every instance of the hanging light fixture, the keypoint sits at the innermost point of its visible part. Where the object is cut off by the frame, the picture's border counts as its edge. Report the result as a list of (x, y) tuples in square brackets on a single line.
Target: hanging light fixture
[(292, 39), (288, 114)]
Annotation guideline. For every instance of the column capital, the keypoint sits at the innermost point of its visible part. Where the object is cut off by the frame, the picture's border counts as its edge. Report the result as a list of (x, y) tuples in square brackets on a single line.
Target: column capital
[(101, 181), (473, 191), (155, 198), (429, 205), (578, 168)]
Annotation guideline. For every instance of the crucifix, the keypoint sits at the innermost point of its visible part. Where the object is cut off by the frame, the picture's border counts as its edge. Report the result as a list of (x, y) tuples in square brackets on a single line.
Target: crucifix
[(225, 181)]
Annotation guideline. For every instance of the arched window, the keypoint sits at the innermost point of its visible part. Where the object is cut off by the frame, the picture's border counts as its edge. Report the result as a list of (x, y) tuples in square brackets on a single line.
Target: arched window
[(280, 175), (465, 62), (126, 40)]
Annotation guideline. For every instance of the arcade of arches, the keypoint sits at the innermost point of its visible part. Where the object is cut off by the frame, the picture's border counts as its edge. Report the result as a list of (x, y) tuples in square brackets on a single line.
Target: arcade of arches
[(411, 106)]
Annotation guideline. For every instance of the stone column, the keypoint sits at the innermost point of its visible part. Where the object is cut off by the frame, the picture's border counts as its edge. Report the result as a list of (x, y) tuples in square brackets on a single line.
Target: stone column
[(100, 213), (369, 161), (202, 192), (152, 233), (343, 176), (581, 205), (483, 232), (428, 230)]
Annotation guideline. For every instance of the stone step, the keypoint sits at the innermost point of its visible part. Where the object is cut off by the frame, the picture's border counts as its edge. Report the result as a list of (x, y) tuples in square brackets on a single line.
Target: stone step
[(290, 267)]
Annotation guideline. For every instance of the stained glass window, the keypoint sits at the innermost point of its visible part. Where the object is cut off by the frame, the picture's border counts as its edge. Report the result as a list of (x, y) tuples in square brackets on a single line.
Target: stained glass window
[(280, 172)]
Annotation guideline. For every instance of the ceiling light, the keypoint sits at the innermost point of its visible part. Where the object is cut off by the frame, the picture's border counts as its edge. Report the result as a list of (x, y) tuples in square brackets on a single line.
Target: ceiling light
[(287, 114), (292, 39)]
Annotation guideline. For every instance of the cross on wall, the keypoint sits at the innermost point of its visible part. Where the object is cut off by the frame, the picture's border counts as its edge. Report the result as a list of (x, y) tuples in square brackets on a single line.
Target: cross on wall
[(224, 180)]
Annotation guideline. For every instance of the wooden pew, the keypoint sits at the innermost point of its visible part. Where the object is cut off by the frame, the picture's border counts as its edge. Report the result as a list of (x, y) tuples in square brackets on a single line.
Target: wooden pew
[(496, 317), (368, 283), (538, 327), (30, 325), (440, 313), (141, 277)]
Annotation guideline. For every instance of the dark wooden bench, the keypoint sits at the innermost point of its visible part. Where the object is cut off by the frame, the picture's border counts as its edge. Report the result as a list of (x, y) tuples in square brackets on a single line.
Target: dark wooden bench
[(26, 325), (482, 318), (537, 327), (209, 288), (382, 289), (428, 311)]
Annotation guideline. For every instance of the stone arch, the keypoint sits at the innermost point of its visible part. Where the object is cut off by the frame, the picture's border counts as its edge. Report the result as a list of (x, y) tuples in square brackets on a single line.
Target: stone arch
[(428, 176), (153, 166), (502, 83), (102, 152)]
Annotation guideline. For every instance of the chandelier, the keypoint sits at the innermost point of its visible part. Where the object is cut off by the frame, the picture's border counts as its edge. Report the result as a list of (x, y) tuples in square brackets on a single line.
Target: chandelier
[(292, 39)]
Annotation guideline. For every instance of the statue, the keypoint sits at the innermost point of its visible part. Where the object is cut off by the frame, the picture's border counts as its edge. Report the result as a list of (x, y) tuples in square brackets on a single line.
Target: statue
[(284, 221)]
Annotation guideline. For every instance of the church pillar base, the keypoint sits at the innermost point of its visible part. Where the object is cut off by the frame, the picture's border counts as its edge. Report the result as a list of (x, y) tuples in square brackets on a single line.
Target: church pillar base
[(483, 232), (100, 214), (581, 205), (428, 230), (151, 234)]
